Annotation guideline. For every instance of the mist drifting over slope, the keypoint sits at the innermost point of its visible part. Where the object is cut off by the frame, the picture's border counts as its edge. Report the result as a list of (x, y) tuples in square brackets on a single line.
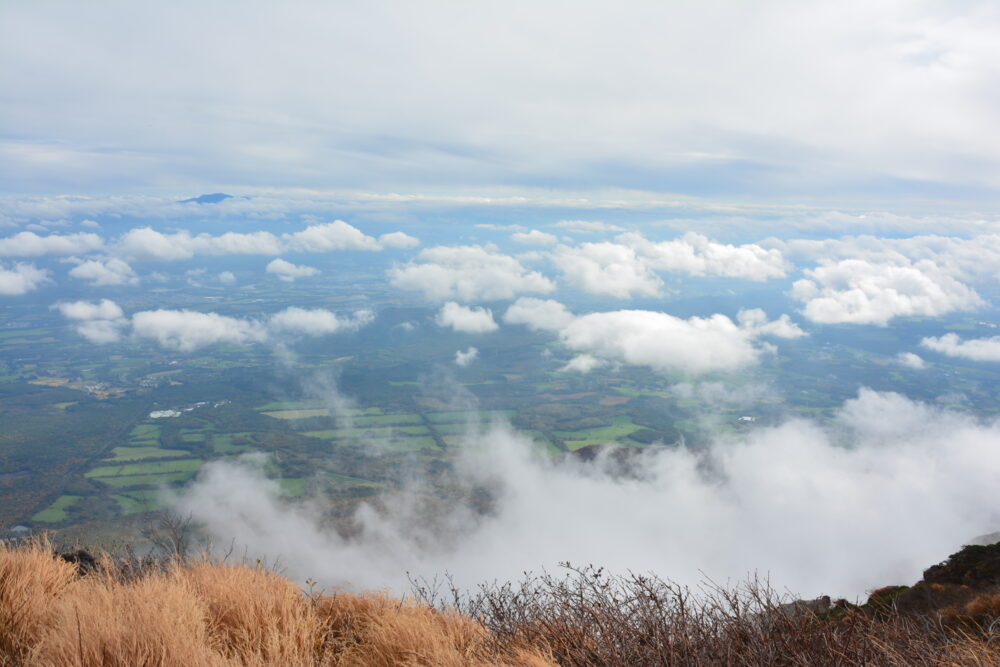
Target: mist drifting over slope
[(889, 486)]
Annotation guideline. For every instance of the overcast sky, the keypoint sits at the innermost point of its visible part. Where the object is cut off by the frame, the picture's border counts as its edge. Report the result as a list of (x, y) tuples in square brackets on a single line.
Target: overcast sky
[(889, 100)]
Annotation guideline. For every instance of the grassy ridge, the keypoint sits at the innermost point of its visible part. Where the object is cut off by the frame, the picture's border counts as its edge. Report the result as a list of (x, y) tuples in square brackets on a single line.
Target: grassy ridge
[(128, 611)]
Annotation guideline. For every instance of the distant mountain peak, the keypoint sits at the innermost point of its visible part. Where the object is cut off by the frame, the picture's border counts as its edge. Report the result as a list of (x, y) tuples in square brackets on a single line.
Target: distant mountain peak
[(213, 198)]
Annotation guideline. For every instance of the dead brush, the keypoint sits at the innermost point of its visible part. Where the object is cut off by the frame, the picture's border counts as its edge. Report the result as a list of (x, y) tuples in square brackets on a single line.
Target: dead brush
[(588, 617)]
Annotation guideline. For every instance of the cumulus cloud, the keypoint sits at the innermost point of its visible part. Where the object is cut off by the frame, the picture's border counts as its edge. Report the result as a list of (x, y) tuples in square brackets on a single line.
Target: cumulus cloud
[(227, 278), (187, 330), (977, 349), (891, 486), (328, 236), (30, 244), (105, 309), (111, 271), (653, 339), (99, 322), (468, 273), (288, 272), (697, 255), (607, 268), (661, 341), (147, 243), (911, 360), (317, 322), (398, 240), (755, 321), (857, 291), (21, 278), (587, 226), (965, 259), (150, 244), (583, 363), (466, 320), (467, 357), (534, 237), (538, 314)]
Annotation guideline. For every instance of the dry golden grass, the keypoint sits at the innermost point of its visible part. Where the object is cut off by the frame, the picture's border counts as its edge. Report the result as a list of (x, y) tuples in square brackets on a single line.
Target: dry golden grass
[(155, 620), (378, 630), (205, 614), (149, 613), (30, 579)]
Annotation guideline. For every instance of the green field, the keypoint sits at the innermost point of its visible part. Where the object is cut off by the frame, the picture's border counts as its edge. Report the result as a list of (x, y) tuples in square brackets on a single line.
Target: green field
[(130, 481), (139, 453), (222, 443), (292, 487), (150, 468), (400, 419), (145, 432), (620, 427), (411, 444), (137, 502), (374, 432), (298, 414), (57, 510), (459, 416)]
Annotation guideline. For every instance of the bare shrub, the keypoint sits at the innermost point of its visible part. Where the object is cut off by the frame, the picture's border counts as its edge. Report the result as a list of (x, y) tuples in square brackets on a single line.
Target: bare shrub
[(588, 617)]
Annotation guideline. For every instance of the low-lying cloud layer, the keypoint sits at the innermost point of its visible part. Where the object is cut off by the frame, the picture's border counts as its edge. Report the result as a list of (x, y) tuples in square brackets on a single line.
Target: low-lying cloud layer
[(857, 291), (657, 340), (891, 486), (189, 330), (468, 273), (977, 349)]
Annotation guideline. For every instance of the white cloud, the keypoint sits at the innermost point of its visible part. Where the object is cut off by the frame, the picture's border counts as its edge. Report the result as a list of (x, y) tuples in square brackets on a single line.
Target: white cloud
[(21, 278), (101, 332), (100, 322), (105, 272), (793, 500), (607, 268), (147, 243), (29, 244), (587, 226), (227, 278), (468, 273), (697, 255), (911, 360), (105, 309), (328, 236), (857, 291), (583, 363), (534, 237), (755, 321), (316, 321), (466, 320), (398, 240), (467, 357), (538, 314), (288, 272), (661, 341), (977, 349), (187, 330)]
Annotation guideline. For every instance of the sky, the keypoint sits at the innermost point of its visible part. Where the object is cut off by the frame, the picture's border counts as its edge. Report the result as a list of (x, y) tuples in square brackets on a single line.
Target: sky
[(775, 100), (568, 167)]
